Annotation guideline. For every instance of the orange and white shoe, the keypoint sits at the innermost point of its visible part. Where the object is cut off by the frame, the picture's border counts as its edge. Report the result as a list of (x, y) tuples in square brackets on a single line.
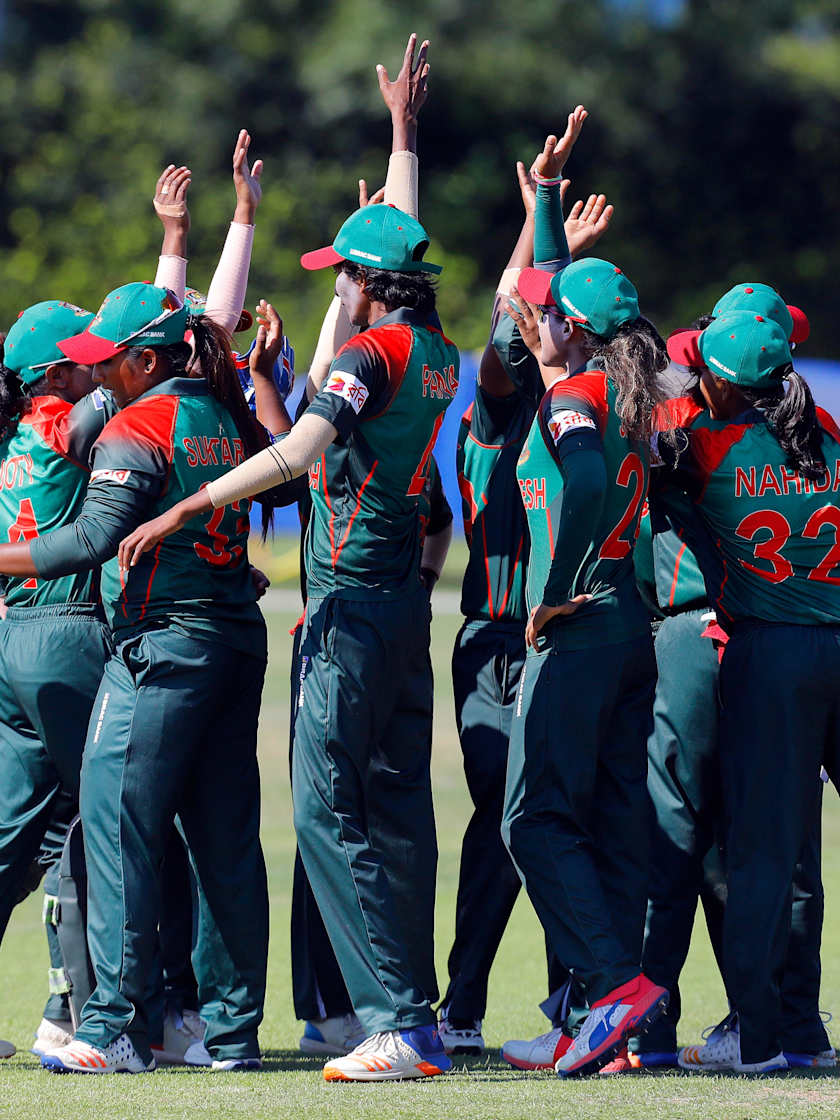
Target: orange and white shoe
[(80, 1057), (392, 1056), (620, 1064)]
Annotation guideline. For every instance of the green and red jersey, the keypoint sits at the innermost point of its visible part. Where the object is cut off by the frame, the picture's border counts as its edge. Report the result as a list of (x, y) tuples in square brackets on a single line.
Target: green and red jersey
[(490, 438), (159, 449), (44, 474), (667, 570), (386, 394), (771, 546), (583, 484)]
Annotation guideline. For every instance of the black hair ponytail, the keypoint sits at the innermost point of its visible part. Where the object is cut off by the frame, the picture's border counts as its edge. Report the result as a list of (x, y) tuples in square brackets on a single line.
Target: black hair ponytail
[(14, 400), (633, 360), (792, 416)]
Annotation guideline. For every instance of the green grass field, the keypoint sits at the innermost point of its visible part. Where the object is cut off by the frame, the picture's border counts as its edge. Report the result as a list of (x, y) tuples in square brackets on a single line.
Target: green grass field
[(291, 1086)]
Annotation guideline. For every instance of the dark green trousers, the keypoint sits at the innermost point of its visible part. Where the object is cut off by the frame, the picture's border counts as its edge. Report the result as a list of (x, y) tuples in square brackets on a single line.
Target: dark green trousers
[(779, 721), (51, 662), (362, 787), (318, 988), (486, 665), (687, 859), (174, 731), (576, 809)]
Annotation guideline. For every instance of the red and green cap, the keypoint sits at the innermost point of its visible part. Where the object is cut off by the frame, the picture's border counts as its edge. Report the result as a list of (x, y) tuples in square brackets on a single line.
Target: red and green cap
[(32, 342), (590, 291), (379, 236), (133, 315), (766, 301), (740, 346)]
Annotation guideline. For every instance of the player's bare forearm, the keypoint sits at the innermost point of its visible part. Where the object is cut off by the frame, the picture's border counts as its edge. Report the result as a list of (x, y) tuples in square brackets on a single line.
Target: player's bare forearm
[(151, 533), (16, 560)]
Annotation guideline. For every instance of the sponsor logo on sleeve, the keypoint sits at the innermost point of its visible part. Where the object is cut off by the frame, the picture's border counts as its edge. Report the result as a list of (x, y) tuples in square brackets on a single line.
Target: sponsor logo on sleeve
[(120, 477), (345, 385), (568, 421)]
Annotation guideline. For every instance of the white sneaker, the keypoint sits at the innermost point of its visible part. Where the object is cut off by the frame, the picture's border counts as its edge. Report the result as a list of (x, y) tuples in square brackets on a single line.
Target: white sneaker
[(337, 1035), (722, 1051), (183, 1041), (80, 1057), (7, 1049), (392, 1056), (537, 1053), (52, 1034), (461, 1040), (236, 1065), (825, 1059)]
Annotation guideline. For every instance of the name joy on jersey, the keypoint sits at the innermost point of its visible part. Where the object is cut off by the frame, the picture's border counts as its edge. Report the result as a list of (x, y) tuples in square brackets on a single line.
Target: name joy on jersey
[(755, 482)]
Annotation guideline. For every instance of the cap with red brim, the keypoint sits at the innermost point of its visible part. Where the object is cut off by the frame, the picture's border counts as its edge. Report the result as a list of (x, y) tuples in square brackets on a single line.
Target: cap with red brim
[(683, 348), (377, 236), (88, 349), (801, 326), (534, 285), (321, 258)]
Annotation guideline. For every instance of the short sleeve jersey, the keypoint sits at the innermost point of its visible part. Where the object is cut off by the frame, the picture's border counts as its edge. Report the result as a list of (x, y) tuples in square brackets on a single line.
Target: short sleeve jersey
[(43, 480), (161, 448), (585, 402), (490, 439), (385, 393), (776, 535)]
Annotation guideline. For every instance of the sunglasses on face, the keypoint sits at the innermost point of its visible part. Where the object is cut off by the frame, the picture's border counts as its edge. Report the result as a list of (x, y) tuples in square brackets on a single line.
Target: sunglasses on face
[(545, 312)]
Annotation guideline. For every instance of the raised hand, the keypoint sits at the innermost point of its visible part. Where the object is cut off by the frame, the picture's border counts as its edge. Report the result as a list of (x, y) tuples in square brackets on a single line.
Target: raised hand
[(526, 317), (364, 200), (269, 340), (587, 223), (246, 180), (408, 91), (170, 199), (552, 159), (528, 189)]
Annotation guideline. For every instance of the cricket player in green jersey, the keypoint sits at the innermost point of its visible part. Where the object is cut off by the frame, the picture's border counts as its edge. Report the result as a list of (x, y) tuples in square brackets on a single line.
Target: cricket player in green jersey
[(173, 730), (54, 641), (761, 465), (687, 858), (363, 726), (575, 818)]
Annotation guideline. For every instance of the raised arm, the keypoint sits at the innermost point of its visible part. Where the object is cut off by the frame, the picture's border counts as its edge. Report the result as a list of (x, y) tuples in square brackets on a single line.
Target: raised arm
[(404, 98), (226, 294), (170, 203)]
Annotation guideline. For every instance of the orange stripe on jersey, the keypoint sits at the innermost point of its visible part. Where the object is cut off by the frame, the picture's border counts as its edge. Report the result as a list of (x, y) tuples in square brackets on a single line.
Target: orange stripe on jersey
[(49, 418), (149, 421), (512, 575), (710, 447), (151, 580), (676, 576), (337, 553), (679, 412)]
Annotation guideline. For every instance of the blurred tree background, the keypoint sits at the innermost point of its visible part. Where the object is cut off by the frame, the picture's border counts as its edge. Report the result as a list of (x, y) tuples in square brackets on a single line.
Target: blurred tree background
[(713, 129)]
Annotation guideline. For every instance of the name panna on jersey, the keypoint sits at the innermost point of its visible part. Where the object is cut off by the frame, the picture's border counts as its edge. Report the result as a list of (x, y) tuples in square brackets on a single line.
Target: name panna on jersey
[(755, 482), (440, 385), (15, 471), (207, 451), (533, 492)]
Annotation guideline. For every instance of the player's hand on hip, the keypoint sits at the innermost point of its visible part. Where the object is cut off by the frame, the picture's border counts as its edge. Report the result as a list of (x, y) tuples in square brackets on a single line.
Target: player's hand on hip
[(542, 614), (260, 581)]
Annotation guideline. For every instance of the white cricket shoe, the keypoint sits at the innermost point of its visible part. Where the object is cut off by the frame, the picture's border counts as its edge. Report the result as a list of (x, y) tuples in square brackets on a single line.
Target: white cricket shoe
[(337, 1035), (537, 1053), (7, 1049), (80, 1057), (463, 1039), (722, 1051), (392, 1056), (183, 1041), (52, 1034)]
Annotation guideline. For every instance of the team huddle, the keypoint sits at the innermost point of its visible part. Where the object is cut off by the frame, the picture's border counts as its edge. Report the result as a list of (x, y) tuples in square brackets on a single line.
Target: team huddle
[(653, 543)]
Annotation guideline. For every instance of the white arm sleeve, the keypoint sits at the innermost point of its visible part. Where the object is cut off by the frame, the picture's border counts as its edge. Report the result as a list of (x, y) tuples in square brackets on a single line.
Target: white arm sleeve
[(172, 274), (335, 331), (401, 184), (281, 462), (507, 281), (226, 294)]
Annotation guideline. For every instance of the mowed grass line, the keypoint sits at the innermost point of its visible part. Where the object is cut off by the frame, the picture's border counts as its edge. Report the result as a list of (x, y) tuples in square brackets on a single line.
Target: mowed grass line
[(291, 1086)]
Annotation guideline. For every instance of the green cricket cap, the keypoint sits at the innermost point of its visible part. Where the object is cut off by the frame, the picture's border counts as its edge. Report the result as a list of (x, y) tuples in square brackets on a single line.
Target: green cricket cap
[(134, 315), (766, 301), (744, 348), (379, 236), (32, 342), (590, 291)]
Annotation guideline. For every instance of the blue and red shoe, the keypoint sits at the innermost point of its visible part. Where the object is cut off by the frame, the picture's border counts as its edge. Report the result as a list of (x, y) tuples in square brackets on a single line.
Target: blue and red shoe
[(624, 1011)]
